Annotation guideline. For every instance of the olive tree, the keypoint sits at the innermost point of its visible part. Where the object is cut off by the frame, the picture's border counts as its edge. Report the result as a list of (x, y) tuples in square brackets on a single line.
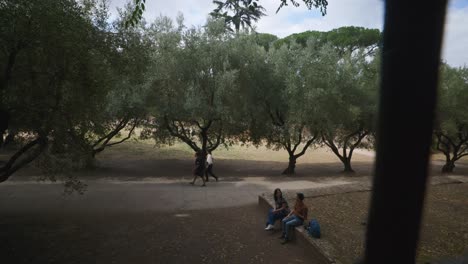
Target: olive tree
[(55, 76), (451, 129), (192, 85), (63, 90), (281, 106), (348, 102)]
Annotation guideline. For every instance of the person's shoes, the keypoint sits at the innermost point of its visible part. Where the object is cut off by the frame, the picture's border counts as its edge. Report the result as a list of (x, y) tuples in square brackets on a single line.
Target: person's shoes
[(269, 227), (191, 183), (216, 178), (282, 236), (285, 240), (204, 185)]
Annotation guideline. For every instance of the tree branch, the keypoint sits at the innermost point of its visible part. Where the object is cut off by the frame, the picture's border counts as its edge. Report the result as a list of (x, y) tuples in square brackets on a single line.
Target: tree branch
[(462, 155), (299, 136), (111, 134), (446, 151), (218, 140), (332, 146), (308, 143), (346, 140), (107, 144), (173, 133), (360, 138), (11, 166)]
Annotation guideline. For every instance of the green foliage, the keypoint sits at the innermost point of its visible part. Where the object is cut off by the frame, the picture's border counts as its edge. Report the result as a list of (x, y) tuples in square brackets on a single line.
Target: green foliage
[(238, 13), (320, 4), (67, 91), (344, 38), (192, 85), (451, 129), (265, 40), (136, 14), (348, 104), (56, 75), (315, 90), (70, 93), (452, 109)]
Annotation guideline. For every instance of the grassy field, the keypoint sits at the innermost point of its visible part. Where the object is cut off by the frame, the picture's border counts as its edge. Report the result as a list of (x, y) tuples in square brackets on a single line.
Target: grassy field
[(246, 161), (236, 152), (142, 158)]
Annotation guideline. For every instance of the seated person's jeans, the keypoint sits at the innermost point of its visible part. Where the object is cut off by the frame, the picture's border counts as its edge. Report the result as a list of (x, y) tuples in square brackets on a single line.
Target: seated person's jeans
[(272, 217), (290, 222)]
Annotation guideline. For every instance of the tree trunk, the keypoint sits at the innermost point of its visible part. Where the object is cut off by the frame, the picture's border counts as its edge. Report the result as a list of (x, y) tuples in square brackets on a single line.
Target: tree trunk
[(347, 165), (204, 137), (204, 149), (448, 166), (291, 166)]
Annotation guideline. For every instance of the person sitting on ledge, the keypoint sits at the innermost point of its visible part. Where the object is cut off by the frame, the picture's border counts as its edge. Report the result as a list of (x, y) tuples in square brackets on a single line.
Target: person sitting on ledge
[(279, 212), (295, 218)]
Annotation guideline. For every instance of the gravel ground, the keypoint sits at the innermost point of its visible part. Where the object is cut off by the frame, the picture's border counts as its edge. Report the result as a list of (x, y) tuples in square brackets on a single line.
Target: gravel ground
[(445, 225), (229, 235)]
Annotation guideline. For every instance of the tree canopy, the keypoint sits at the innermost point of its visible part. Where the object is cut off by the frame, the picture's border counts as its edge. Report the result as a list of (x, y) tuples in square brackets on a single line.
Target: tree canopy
[(67, 95)]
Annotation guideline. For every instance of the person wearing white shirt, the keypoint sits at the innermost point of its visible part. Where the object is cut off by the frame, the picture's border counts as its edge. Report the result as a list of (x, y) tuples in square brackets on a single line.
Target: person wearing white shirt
[(209, 167)]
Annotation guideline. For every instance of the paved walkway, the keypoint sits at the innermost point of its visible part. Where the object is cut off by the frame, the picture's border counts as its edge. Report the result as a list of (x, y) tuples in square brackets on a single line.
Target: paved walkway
[(149, 194), (171, 195), (149, 221)]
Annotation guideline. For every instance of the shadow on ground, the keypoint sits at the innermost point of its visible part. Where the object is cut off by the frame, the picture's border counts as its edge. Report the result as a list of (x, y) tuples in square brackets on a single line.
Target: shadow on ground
[(228, 235)]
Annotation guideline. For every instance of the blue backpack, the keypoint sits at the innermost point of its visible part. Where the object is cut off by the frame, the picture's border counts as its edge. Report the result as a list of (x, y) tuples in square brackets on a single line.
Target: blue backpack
[(314, 228)]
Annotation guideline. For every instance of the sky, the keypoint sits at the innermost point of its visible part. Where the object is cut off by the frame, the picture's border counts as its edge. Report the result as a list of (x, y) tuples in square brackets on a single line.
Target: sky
[(289, 20)]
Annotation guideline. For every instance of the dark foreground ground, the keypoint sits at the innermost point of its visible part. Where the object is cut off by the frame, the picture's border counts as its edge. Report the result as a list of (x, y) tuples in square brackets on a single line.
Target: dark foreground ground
[(228, 235)]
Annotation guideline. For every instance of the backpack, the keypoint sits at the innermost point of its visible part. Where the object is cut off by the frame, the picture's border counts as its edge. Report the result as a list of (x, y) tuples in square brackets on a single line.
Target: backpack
[(314, 228)]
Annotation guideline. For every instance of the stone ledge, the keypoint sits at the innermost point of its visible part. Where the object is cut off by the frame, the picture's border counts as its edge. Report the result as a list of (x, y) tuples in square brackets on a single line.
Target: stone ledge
[(320, 248)]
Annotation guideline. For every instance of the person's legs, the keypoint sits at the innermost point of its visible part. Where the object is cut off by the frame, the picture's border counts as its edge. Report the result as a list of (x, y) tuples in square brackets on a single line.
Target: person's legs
[(209, 171), (203, 179), (283, 225), (194, 178), (212, 173), (291, 223), (271, 217), (277, 216)]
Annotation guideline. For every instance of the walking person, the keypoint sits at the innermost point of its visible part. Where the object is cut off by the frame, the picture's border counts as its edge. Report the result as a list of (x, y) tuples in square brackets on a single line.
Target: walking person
[(209, 168), (295, 218), (199, 169), (279, 212)]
